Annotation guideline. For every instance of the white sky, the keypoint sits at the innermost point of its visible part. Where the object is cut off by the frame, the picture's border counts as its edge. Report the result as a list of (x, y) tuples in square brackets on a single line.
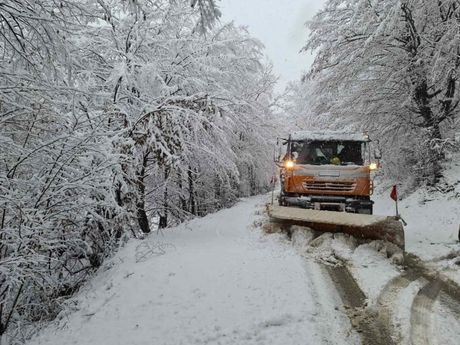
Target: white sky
[(280, 26)]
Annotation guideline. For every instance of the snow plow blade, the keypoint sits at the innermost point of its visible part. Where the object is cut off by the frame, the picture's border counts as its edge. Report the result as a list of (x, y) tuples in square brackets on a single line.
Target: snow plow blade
[(357, 225)]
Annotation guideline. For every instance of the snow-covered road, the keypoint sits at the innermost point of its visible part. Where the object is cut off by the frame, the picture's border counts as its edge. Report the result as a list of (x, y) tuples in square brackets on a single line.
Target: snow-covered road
[(215, 280)]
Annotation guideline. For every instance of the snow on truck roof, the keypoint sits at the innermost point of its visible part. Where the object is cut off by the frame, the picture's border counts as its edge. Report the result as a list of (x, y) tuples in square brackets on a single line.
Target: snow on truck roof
[(329, 136)]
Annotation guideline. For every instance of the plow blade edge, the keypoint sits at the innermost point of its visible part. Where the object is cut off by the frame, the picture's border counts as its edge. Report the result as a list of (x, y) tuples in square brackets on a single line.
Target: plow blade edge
[(357, 225)]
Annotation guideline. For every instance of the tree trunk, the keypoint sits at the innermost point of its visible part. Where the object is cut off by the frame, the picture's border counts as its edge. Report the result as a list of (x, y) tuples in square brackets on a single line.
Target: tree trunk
[(163, 221), (191, 191), (182, 200), (252, 180), (432, 124), (142, 217)]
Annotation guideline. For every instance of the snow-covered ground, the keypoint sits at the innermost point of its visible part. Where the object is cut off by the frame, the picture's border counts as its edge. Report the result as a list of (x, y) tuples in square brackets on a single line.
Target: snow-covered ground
[(433, 221), (221, 280), (214, 280), (388, 303)]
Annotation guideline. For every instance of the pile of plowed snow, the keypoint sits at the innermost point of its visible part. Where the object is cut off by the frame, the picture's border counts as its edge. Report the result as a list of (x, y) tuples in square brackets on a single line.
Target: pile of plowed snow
[(372, 264)]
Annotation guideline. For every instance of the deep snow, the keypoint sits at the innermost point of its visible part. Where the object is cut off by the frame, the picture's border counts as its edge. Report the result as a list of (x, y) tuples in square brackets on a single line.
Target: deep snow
[(215, 280)]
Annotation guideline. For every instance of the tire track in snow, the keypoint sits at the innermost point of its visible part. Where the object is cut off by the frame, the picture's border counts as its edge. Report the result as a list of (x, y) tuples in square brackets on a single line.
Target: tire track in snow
[(449, 291), (422, 314), (380, 327), (422, 331), (373, 330), (387, 299), (330, 322), (422, 321), (366, 322), (452, 304)]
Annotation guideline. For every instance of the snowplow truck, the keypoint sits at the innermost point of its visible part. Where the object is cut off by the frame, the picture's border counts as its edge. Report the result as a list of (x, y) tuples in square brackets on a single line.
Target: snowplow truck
[(326, 184), (328, 171)]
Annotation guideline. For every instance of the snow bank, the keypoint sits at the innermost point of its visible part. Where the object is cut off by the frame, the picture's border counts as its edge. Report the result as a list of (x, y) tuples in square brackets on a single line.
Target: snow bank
[(433, 218)]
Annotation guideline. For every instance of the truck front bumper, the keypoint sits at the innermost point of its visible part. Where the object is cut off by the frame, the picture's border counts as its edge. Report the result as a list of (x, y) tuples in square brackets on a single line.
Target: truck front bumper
[(335, 203)]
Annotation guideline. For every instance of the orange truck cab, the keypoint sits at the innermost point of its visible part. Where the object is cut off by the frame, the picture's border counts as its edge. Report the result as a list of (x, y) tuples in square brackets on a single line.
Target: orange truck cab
[(327, 171)]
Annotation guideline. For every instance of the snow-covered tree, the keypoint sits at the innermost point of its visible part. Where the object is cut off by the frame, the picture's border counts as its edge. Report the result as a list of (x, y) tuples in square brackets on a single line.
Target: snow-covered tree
[(57, 209), (181, 98), (296, 107), (391, 67), (112, 112)]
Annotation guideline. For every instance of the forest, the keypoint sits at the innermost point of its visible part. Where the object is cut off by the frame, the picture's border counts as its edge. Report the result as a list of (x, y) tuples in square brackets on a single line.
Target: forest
[(111, 112), (114, 113)]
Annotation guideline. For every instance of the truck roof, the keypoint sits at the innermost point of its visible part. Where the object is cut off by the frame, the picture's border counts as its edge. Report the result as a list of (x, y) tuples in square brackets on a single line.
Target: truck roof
[(328, 136)]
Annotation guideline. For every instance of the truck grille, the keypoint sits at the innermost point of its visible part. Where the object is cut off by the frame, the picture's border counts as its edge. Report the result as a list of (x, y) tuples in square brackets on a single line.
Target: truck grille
[(330, 186)]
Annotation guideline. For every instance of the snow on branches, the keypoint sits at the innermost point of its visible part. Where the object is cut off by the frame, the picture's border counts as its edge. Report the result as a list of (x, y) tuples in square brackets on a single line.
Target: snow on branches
[(391, 67), (112, 113)]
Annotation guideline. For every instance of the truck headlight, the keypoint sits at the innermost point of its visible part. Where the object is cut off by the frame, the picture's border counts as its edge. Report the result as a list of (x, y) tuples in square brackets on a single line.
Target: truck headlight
[(373, 166), (289, 164)]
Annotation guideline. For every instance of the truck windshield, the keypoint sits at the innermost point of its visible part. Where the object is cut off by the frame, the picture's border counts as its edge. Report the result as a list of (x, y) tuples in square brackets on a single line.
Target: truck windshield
[(327, 152)]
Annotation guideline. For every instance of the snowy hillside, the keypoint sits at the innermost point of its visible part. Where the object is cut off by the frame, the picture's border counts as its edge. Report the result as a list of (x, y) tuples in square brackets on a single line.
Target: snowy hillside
[(433, 220)]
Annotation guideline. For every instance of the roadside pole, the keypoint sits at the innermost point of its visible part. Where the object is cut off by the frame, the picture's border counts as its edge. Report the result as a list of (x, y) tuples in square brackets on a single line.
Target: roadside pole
[(394, 196), (273, 187), (273, 192)]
